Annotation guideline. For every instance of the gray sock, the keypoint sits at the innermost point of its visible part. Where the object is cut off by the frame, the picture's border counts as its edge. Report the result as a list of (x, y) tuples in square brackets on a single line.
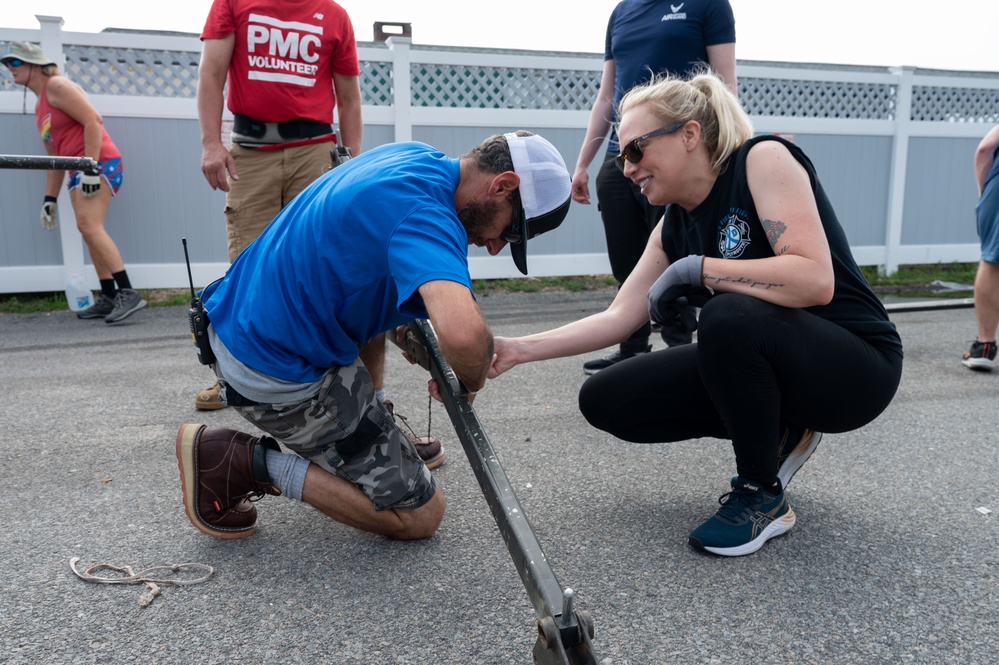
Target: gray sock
[(287, 472)]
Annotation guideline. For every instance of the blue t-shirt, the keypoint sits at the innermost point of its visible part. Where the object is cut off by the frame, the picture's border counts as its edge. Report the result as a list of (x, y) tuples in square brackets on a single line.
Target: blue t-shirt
[(673, 37), (342, 263)]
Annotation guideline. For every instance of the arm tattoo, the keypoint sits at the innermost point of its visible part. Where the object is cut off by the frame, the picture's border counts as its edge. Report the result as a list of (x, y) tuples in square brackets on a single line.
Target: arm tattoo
[(711, 280), (774, 230)]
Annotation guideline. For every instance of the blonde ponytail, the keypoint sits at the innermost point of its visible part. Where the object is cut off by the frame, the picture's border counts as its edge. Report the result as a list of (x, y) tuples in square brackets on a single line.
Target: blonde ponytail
[(704, 98)]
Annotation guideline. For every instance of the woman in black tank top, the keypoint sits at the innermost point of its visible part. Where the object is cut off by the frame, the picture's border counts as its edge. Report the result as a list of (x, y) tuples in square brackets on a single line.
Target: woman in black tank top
[(791, 341)]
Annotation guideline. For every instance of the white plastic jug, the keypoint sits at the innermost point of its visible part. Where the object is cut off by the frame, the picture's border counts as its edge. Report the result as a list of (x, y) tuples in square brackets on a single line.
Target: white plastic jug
[(77, 293)]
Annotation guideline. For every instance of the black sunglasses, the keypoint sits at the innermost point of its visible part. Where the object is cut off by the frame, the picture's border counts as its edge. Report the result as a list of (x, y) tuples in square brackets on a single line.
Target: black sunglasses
[(511, 236), (13, 62), (632, 151)]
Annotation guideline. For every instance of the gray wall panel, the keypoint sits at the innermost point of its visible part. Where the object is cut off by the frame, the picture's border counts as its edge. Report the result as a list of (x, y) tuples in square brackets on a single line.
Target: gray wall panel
[(855, 172), (375, 135), (164, 196), (23, 241), (939, 173)]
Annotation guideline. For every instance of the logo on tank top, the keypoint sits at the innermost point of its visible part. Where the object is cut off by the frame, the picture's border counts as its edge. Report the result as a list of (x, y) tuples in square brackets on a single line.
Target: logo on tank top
[(45, 128), (733, 237), (675, 14), (282, 51)]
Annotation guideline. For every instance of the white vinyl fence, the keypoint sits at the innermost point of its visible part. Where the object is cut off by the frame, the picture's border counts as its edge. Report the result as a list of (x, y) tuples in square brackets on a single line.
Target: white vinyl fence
[(893, 147)]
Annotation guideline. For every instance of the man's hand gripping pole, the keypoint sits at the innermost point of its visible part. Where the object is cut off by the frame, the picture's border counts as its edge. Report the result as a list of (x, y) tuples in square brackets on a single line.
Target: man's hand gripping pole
[(564, 634)]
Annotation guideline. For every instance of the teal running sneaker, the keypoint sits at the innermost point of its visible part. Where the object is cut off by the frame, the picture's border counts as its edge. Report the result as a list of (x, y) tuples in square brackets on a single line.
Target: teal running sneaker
[(749, 516)]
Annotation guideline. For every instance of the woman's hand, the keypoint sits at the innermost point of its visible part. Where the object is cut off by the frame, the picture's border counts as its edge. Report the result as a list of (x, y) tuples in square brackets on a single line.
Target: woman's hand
[(505, 356)]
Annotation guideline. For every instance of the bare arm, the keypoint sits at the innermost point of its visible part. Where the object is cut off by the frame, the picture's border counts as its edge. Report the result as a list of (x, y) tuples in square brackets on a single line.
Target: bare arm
[(596, 131), (212, 71), (721, 57), (623, 316), (801, 273), (983, 157), (348, 101), (465, 339)]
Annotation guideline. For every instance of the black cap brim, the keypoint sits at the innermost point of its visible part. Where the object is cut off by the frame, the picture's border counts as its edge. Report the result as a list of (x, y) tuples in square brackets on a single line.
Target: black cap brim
[(519, 249), (529, 229)]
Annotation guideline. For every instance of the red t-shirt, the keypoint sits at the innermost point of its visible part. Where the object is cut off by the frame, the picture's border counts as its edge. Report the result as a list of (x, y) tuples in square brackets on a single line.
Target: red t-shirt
[(285, 54), (64, 134)]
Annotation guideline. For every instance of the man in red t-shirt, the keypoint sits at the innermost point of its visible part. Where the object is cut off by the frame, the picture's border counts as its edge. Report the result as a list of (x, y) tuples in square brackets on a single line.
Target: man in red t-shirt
[(288, 64)]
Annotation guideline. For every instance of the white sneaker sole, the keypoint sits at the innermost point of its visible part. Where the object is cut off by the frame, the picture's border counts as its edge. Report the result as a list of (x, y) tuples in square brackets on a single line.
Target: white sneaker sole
[(979, 364), (776, 528)]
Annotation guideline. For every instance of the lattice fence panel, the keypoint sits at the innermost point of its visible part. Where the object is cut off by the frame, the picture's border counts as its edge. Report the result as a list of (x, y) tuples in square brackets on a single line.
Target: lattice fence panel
[(817, 99), (456, 86), (139, 72), (163, 73), (7, 81), (376, 83), (940, 104)]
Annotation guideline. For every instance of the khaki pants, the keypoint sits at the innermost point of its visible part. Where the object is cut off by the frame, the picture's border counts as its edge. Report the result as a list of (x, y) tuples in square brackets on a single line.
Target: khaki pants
[(268, 181)]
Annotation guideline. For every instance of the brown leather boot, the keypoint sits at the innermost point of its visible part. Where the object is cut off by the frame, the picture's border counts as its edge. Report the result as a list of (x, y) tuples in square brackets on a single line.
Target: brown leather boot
[(221, 472)]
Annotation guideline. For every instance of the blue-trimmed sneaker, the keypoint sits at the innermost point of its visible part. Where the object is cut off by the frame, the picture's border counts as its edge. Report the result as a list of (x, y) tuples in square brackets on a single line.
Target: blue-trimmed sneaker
[(749, 516), (788, 462)]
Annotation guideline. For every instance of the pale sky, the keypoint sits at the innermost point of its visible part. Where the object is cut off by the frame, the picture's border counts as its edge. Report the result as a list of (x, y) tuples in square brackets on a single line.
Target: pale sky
[(958, 36)]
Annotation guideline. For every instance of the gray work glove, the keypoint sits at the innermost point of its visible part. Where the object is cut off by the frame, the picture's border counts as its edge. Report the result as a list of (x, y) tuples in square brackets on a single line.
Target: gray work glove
[(676, 311), (684, 272), (50, 216), (90, 184)]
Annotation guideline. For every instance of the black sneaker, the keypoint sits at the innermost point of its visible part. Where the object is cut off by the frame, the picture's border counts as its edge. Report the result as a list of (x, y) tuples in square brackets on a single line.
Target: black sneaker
[(981, 357), (100, 309), (790, 460), (594, 366), (126, 303), (749, 516)]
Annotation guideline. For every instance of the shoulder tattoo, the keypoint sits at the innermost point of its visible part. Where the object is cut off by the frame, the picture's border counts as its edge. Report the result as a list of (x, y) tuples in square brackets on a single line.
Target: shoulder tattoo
[(774, 230)]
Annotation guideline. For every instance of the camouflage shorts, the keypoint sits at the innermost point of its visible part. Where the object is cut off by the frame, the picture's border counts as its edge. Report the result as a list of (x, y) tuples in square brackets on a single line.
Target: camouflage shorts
[(344, 430)]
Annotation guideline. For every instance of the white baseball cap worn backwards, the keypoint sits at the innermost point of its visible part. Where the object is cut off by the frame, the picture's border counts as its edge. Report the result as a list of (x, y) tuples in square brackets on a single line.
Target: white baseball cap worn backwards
[(545, 188)]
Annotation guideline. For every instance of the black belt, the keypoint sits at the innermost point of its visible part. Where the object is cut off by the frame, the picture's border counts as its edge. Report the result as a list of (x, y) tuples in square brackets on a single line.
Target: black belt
[(233, 398), (290, 130)]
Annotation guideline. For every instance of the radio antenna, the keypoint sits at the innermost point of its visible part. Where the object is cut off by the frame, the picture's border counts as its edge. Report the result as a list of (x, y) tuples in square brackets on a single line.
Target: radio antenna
[(190, 279)]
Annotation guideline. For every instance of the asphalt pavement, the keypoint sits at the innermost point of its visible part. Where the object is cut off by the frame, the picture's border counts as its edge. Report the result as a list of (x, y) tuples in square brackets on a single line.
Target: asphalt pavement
[(894, 558)]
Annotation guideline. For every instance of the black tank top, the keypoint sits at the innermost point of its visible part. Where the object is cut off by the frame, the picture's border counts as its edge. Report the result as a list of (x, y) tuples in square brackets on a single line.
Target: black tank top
[(725, 225)]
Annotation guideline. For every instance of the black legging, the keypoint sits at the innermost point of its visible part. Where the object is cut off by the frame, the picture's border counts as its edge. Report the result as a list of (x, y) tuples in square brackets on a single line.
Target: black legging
[(755, 368), (628, 219)]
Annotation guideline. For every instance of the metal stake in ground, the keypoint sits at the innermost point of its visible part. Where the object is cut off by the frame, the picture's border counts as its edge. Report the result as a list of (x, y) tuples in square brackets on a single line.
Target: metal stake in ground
[(563, 633)]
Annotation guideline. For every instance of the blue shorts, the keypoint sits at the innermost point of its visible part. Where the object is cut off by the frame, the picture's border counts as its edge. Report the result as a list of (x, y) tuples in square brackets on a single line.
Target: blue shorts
[(987, 213), (110, 169)]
